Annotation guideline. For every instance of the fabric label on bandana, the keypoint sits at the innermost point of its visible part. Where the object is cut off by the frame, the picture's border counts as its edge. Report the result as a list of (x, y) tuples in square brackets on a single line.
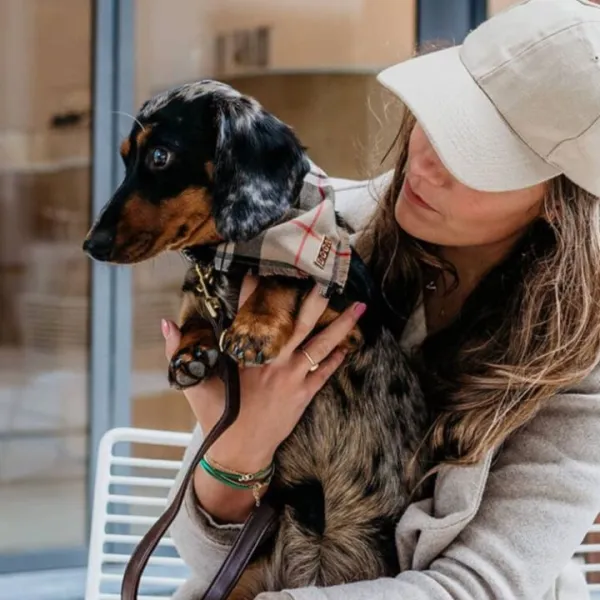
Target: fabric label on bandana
[(321, 259), (309, 242)]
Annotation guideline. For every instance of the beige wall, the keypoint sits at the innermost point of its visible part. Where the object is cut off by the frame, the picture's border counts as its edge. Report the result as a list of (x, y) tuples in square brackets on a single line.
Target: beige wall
[(175, 41), (495, 6), (360, 34), (346, 120), (171, 43), (44, 74), (44, 70)]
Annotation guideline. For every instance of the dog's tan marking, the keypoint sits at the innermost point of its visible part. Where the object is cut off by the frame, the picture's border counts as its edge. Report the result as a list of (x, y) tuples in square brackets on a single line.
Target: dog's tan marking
[(146, 229), (265, 323), (210, 169), (250, 584), (125, 148), (142, 136), (192, 209)]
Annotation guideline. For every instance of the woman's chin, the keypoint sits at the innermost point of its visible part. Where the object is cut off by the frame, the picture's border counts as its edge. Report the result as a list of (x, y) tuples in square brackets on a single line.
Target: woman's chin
[(415, 224)]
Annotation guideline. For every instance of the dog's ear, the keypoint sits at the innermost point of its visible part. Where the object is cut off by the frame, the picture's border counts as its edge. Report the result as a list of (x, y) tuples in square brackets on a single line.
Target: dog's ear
[(258, 169)]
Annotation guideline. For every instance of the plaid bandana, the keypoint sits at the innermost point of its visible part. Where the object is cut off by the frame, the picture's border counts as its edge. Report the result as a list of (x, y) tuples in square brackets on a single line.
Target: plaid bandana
[(307, 243)]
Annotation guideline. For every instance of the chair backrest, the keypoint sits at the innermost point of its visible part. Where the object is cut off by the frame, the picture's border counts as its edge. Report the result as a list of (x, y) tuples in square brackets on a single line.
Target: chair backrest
[(130, 492), (588, 557), (131, 487)]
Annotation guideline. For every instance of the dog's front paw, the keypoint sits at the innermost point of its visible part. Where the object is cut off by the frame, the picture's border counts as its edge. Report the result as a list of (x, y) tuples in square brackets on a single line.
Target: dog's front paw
[(191, 364), (256, 340)]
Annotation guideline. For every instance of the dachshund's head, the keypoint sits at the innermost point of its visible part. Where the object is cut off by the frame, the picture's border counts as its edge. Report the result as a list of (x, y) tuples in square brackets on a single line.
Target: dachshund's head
[(203, 164)]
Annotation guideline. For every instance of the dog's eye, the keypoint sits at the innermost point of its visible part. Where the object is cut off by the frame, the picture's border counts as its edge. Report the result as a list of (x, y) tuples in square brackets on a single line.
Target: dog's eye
[(159, 158)]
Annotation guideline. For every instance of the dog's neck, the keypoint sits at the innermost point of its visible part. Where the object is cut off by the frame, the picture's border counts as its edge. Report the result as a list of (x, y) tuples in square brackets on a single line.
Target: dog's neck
[(199, 254), (204, 254)]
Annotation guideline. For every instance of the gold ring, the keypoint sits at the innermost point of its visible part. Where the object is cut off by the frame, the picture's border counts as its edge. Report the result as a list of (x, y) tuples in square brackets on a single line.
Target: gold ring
[(313, 365)]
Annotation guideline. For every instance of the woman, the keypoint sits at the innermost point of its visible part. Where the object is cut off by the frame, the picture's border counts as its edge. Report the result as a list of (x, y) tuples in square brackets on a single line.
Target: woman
[(486, 243)]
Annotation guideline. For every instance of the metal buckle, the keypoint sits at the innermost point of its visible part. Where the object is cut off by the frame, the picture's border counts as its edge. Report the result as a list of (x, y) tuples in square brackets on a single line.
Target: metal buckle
[(206, 279)]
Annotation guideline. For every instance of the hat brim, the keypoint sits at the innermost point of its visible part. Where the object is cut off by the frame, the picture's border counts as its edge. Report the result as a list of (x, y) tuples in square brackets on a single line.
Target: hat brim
[(470, 136)]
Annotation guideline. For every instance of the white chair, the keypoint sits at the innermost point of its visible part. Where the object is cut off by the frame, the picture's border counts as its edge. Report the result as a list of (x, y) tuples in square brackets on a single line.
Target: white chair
[(590, 565), (129, 495)]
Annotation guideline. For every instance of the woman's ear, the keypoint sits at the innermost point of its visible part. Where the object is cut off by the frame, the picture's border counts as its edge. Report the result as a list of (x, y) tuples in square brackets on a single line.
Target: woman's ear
[(258, 169)]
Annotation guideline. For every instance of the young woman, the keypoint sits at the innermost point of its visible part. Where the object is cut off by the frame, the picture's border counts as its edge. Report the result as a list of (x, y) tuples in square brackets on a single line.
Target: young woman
[(486, 242)]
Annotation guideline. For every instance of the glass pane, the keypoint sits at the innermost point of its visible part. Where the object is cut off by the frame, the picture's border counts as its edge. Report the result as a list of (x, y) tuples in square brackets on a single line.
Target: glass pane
[(310, 62), (44, 276)]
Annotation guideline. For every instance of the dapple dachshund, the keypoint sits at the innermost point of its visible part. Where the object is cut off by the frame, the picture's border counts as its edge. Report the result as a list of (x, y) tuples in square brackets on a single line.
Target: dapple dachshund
[(206, 164)]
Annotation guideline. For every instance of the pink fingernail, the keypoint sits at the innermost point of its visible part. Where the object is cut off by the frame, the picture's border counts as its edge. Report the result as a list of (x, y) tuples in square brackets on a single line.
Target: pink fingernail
[(359, 309), (165, 327)]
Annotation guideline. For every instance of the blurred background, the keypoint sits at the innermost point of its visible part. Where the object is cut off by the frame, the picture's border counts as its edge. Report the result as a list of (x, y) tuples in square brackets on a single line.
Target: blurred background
[(80, 344)]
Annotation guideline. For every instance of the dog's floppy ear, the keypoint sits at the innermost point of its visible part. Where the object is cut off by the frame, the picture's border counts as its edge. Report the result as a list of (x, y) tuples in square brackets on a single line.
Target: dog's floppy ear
[(258, 169)]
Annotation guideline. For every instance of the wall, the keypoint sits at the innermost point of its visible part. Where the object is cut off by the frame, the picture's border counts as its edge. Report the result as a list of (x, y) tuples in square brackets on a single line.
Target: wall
[(495, 6), (353, 34), (347, 121), (45, 73), (176, 41)]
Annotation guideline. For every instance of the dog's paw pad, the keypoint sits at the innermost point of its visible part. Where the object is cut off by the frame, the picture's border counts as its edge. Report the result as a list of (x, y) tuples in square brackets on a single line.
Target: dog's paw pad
[(190, 365)]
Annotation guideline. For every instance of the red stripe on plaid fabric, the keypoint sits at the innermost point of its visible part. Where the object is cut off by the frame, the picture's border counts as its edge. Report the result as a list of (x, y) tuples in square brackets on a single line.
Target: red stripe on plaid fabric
[(306, 228), (318, 172), (308, 231), (323, 176), (321, 190)]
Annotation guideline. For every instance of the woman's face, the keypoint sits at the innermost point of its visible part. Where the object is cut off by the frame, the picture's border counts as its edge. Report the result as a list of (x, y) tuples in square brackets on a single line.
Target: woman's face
[(434, 207)]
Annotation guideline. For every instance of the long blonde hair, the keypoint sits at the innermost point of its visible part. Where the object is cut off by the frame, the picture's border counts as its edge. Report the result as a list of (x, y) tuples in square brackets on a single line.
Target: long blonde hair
[(530, 329)]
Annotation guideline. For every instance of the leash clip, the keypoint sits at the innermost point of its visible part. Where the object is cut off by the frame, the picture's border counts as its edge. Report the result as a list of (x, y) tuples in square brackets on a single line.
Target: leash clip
[(205, 279)]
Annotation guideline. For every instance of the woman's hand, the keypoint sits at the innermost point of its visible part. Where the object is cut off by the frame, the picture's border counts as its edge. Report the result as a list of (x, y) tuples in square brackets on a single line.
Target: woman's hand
[(273, 398)]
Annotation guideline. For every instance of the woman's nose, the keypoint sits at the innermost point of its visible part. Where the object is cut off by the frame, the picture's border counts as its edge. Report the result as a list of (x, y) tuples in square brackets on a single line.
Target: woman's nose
[(429, 167)]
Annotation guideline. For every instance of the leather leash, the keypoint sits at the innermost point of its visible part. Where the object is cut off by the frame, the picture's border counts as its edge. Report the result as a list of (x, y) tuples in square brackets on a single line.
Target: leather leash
[(259, 522)]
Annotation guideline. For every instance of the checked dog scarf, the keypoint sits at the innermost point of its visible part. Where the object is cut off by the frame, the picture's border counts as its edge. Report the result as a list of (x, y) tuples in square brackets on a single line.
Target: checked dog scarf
[(308, 242)]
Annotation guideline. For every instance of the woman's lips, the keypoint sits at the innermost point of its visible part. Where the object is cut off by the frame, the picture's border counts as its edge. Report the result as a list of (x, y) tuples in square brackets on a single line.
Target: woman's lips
[(411, 196)]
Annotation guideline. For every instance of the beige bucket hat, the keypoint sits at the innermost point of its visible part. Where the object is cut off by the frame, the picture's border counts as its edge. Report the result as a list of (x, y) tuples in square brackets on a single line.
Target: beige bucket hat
[(518, 102)]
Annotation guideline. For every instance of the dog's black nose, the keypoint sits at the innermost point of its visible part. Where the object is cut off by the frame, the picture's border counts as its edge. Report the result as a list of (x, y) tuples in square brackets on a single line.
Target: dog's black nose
[(99, 245)]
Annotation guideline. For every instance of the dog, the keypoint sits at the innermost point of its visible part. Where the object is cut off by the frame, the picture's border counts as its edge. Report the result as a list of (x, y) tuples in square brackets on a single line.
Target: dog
[(206, 164)]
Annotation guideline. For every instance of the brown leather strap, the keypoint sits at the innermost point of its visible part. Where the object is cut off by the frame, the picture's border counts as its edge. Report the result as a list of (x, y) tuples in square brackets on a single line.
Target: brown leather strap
[(255, 528)]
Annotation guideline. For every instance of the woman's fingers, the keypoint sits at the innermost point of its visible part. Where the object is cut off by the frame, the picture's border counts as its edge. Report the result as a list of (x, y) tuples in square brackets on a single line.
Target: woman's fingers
[(172, 337), (324, 343), (315, 381)]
